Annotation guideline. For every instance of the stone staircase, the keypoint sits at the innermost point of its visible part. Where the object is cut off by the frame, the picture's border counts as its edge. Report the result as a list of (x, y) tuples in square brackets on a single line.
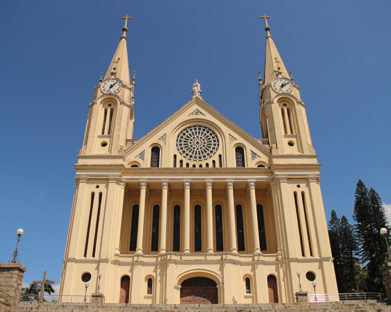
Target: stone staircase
[(359, 306)]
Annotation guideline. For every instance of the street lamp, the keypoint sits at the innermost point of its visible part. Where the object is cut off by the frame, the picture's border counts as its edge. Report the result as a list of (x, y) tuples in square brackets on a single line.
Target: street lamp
[(314, 285), (85, 295), (384, 232), (298, 276), (19, 232), (99, 277)]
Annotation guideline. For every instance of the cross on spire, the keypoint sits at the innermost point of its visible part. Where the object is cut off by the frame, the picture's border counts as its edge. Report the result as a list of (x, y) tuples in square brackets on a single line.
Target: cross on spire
[(267, 28), (126, 18), (265, 17), (43, 283)]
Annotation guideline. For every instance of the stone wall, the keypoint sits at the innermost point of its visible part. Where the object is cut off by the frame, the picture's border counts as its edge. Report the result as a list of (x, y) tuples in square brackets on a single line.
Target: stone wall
[(11, 278), (358, 306)]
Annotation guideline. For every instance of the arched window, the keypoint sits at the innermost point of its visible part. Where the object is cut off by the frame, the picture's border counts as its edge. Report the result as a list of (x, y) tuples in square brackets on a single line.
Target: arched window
[(155, 157), (174, 161), (287, 119), (248, 285), (240, 228), (239, 157), (261, 227), (177, 228), (197, 228), (108, 113), (220, 161), (219, 228), (133, 230), (149, 286), (155, 228)]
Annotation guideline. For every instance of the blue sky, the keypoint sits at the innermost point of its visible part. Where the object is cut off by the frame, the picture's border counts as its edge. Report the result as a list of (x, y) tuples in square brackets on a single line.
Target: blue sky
[(52, 52)]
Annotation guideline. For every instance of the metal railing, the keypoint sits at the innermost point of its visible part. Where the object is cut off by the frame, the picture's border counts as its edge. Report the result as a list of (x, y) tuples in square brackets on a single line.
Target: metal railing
[(314, 298)]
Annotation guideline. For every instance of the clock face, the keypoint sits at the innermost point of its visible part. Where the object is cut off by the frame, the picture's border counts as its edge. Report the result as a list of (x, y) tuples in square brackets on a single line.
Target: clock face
[(282, 85), (111, 85)]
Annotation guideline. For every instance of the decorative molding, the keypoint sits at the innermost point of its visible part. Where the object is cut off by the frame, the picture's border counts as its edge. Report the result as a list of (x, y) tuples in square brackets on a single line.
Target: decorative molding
[(81, 179), (197, 112), (141, 155), (163, 138), (231, 138), (254, 155)]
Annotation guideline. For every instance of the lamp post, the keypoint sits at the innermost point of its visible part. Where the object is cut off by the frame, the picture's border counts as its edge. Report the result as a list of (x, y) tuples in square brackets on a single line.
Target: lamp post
[(99, 277), (384, 232), (314, 285), (19, 232), (298, 276), (85, 295)]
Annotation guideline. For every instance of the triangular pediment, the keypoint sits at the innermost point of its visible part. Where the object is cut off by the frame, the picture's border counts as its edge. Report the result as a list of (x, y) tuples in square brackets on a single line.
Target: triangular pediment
[(173, 154)]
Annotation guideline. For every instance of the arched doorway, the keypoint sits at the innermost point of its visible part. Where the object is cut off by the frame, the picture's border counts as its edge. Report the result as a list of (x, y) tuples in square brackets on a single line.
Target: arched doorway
[(272, 287), (124, 293), (199, 290)]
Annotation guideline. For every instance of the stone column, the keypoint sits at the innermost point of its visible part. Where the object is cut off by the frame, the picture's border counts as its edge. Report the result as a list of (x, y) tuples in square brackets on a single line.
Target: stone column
[(11, 278), (231, 214), (186, 217), (140, 229), (209, 217), (254, 217), (163, 219)]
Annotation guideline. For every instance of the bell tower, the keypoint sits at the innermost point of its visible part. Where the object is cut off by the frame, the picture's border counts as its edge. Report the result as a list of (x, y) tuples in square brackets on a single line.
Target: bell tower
[(282, 113), (111, 113)]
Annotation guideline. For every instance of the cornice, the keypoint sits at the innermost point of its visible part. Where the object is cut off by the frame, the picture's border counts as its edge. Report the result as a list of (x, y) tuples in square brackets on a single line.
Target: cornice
[(101, 156)]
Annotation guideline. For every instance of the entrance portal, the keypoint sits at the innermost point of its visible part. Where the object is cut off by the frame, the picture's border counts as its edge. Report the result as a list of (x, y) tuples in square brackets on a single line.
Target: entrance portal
[(198, 290)]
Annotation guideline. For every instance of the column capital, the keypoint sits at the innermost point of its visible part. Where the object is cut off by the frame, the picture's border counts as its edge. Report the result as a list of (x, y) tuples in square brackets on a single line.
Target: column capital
[(187, 184), (143, 185), (164, 185), (230, 185), (278, 179), (251, 184), (209, 184), (314, 179), (81, 179)]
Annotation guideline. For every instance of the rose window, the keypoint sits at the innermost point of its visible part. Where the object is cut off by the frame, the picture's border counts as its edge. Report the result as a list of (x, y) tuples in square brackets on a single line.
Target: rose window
[(197, 143)]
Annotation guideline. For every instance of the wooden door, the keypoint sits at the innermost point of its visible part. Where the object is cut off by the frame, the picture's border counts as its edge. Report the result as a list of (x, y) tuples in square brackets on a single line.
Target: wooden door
[(124, 293), (272, 288), (199, 290)]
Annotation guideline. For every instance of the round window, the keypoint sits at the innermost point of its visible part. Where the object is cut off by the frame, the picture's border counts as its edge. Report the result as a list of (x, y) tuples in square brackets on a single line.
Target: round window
[(310, 276), (86, 277), (197, 143)]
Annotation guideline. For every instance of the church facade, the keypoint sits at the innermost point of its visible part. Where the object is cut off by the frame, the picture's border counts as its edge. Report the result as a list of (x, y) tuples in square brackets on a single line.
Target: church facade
[(197, 210)]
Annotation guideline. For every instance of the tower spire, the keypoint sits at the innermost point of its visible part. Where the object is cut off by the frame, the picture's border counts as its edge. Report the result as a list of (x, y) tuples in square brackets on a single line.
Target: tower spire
[(274, 66), (119, 65)]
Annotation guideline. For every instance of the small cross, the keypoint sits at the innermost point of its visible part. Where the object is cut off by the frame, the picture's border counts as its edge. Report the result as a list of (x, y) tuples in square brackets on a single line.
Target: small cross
[(265, 17), (126, 18), (43, 283)]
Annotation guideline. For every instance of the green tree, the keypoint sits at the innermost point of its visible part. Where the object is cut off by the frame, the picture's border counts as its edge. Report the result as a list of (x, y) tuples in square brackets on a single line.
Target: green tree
[(31, 293), (370, 218), (344, 248)]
